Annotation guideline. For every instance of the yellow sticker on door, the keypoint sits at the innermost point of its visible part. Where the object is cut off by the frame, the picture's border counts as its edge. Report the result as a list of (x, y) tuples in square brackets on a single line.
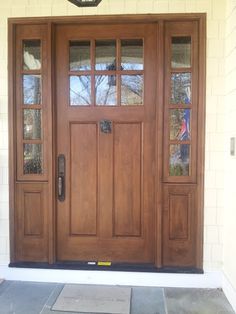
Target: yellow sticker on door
[(104, 263)]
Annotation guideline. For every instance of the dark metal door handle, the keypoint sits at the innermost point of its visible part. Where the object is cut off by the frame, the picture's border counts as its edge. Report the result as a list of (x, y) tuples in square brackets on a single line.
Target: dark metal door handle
[(61, 178)]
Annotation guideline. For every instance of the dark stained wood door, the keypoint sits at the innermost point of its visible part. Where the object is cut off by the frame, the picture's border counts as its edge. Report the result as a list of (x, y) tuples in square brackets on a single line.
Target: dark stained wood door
[(105, 103)]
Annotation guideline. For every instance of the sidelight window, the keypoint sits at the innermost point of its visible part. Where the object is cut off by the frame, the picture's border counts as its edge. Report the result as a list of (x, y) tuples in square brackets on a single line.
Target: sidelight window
[(32, 107)]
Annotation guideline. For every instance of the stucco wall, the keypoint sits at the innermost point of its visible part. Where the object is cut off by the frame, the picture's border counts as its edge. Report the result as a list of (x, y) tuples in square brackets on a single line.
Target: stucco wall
[(214, 174), (230, 131)]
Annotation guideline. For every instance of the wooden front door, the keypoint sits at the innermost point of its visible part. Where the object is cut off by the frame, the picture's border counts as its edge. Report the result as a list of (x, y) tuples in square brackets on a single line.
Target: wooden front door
[(106, 140), (105, 100)]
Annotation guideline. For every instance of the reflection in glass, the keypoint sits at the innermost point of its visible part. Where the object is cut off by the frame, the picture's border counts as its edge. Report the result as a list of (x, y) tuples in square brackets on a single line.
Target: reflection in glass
[(132, 54), (181, 52), (32, 89), (105, 86), (32, 54), (179, 160), (33, 158), (80, 90), (131, 89), (105, 55), (180, 124), (32, 124), (181, 88), (80, 56)]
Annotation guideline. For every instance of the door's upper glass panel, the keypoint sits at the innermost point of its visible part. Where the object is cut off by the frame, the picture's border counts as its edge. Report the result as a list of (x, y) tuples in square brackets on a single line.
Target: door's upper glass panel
[(32, 89), (105, 55), (80, 90), (33, 159), (105, 87), (31, 54), (32, 124), (131, 89), (80, 56), (180, 124), (181, 52), (132, 54), (181, 88), (179, 160)]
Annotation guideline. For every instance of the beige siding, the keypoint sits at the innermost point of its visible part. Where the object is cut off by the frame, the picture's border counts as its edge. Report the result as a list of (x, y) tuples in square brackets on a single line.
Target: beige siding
[(230, 131)]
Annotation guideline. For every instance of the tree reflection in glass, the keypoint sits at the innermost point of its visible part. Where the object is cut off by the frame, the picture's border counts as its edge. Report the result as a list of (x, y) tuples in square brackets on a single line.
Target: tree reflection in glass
[(80, 90), (131, 89), (32, 158), (181, 88), (32, 89), (32, 124), (105, 88), (179, 159)]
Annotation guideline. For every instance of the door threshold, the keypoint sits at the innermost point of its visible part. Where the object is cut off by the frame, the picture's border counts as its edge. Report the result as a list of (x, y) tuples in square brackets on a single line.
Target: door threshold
[(150, 268)]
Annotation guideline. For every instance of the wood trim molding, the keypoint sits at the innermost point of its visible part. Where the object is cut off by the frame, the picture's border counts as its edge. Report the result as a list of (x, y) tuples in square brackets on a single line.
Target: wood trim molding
[(124, 18)]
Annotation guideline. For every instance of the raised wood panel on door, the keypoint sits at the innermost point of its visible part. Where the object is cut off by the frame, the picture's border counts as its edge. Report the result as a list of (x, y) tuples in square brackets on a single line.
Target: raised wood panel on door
[(31, 234), (83, 193), (127, 179), (108, 212), (179, 225)]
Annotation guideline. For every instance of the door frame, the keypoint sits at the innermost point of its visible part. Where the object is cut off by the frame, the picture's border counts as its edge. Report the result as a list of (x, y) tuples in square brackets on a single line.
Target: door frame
[(160, 19)]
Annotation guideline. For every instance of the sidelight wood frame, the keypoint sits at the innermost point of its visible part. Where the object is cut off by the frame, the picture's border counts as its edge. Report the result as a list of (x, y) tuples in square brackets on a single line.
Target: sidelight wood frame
[(160, 19)]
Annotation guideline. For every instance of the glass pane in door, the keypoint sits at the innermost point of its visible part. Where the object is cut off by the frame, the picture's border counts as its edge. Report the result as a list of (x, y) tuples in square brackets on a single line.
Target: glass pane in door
[(179, 160), (32, 54), (80, 56), (132, 54), (181, 52), (32, 89), (80, 90), (32, 124), (180, 124), (181, 88), (131, 89), (105, 55), (105, 87), (33, 158)]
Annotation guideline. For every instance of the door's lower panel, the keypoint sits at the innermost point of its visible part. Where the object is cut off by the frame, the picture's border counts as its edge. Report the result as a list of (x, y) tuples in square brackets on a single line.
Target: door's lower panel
[(179, 225), (31, 227)]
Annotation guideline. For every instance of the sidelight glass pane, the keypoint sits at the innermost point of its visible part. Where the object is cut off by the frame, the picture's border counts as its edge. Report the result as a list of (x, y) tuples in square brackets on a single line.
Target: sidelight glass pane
[(105, 55), (181, 52), (32, 124), (32, 54), (179, 160), (131, 89), (132, 54), (80, 56), (181, 88), (33, 158), (80, 90), (180, 124), (32, 89), (105, 86)]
